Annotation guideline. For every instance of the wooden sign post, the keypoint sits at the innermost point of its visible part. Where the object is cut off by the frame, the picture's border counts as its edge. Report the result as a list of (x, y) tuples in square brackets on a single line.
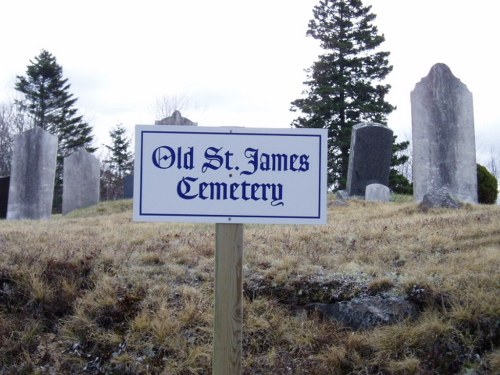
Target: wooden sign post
[(228, 300)]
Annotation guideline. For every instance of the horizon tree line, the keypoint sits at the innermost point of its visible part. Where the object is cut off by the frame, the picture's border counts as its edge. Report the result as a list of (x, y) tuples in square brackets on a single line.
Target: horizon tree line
[(345, 86)]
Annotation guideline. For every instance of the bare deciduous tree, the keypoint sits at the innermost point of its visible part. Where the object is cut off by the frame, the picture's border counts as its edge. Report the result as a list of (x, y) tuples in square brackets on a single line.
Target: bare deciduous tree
[(493, 164), (166, 105), (11, 123)]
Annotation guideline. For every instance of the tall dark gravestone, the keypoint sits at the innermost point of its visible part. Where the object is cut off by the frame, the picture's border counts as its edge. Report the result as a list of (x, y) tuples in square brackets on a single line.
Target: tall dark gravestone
[(369, 158), (32, 175), (81, 181), (444, 149), (4, 196), (128, 186)]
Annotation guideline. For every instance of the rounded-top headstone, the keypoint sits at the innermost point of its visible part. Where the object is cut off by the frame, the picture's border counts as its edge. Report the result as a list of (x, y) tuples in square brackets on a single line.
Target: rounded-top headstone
[(377, 193), (369, 158)]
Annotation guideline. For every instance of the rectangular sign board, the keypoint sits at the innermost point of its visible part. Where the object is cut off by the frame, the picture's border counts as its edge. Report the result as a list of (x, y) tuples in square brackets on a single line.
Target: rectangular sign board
[(230, 175)]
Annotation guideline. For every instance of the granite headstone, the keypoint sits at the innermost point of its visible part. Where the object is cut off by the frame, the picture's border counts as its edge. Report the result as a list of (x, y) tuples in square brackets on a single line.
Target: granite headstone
[(32, 175), (369, 158), (444, 150), (377, 193), (4, 196), (175, 119), (81, 181), (128, 186)]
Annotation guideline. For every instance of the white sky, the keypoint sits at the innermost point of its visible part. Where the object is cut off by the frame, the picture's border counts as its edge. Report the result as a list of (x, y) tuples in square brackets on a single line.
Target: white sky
[(240, 63)]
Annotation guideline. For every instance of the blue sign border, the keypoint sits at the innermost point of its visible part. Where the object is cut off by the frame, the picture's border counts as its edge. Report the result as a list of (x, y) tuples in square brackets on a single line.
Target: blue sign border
[(232, 133)]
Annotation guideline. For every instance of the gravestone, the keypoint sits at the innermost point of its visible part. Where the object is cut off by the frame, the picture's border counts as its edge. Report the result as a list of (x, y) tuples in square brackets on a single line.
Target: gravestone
[(444, 150), (128, 186), (175, 119), (369, 158), (81, 181), (4, 196), (32, 175), (377, 193)]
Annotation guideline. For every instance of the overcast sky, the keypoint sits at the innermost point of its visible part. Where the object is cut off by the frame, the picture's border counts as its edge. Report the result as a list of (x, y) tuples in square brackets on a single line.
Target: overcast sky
[(240, 63)]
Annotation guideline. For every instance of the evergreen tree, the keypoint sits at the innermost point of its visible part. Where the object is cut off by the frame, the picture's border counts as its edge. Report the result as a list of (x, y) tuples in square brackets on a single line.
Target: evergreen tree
[(398, 183), (46, 100), (344, 85), (118, 165), (121, 158)]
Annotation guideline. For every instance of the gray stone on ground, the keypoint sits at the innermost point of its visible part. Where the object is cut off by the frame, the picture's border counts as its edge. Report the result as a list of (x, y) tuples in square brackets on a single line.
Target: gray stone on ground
[(440, 198), (342, 195), (33, 170), (366, 312), (81, 181), (369, 157), (377, 193), (444, 150)]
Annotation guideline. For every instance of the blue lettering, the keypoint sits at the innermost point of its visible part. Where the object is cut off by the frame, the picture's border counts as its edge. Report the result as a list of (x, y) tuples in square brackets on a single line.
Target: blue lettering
[(163, 157), (251, 153), (188, 188), (275, 162), (304, 163), (211, 154), (184, 187)]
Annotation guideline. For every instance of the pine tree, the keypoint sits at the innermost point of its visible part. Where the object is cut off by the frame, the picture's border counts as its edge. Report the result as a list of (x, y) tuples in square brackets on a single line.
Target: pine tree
[(398, 183), (46, 100), (344, 85), (120, 158), (118, 165)]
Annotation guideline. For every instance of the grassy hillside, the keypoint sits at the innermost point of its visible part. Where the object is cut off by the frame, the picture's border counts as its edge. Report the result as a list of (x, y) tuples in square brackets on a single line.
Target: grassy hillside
[(94, 292)]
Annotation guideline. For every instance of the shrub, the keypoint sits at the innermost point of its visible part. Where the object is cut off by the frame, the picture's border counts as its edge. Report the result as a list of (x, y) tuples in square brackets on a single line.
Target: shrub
[(487, 186)]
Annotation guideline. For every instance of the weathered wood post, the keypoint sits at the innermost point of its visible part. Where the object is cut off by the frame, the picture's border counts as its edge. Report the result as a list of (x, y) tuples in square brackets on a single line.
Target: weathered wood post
[(228, 300)]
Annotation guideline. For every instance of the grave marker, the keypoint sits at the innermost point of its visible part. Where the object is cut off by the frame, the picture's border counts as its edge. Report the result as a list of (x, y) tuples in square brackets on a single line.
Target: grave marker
[(377, 193), (33, 170), (369, 157), (81, 181), (176, 119), (4, 196), (444, 150), (128, 186)]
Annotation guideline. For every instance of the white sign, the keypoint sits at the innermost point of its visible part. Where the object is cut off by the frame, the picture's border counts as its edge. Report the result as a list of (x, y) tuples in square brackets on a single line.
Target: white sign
[(230, 175)]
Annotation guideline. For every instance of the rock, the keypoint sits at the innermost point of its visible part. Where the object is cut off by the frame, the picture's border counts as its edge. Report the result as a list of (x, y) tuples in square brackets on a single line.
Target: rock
[(337, 203), (342, 195), (366, 312), (439, 198)]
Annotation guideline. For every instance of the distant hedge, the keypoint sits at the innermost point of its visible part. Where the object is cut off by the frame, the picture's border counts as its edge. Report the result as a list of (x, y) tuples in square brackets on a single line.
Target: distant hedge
[(487, 186)]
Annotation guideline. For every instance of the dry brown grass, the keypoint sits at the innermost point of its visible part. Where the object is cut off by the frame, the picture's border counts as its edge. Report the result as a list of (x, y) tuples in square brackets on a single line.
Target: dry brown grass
[(95, 293)]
